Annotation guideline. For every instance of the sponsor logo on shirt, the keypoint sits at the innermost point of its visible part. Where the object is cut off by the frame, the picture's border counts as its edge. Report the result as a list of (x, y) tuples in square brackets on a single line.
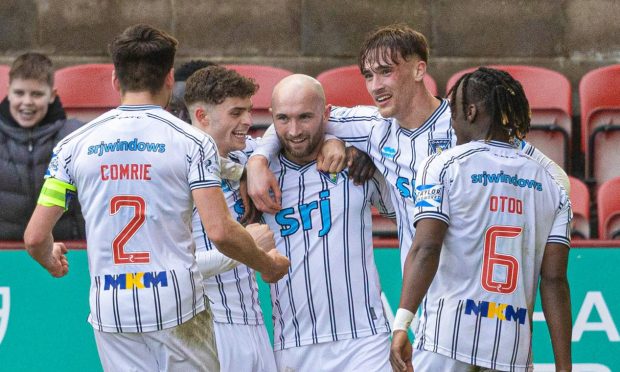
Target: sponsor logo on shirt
[(388, 152), (119, 146), (486, 178), (137, 280), (496, 310), (438, 145), (428, 195), (52, 169)]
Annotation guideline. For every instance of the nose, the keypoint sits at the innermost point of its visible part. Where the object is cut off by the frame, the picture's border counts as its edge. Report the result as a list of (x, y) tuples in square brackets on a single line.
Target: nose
[(246, 119), (294, 128), (373, 84), (28, 98)]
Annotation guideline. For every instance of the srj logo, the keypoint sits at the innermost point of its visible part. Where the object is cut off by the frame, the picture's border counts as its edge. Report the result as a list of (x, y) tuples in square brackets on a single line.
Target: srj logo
[(5, 308)]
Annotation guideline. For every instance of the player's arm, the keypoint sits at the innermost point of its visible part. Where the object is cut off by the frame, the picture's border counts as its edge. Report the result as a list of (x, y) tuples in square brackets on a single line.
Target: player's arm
[(263, 187), (555, 298), (233, 240), (38, 239), (420, 268), (213, 262)]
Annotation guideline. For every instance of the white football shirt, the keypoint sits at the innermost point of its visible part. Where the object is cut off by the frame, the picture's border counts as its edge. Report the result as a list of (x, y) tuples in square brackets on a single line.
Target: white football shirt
[(502, 207), (234, 293), (134, 168), (396, 151), (332, 290)]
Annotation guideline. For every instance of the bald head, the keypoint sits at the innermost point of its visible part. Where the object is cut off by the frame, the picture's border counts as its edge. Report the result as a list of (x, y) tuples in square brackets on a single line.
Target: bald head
[(298, 87), (299, 115)]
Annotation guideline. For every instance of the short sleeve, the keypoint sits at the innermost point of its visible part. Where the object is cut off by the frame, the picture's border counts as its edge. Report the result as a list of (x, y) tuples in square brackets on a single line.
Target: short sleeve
[(60, 163), (560, 232), (353, 125), (431, 191), (204, 165)]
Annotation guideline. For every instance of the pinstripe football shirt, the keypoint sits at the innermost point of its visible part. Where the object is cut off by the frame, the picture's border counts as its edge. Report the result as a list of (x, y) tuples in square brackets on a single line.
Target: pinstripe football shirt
[(135, 168), (502, 207), (234, 293), (397, 152), (332, 290)]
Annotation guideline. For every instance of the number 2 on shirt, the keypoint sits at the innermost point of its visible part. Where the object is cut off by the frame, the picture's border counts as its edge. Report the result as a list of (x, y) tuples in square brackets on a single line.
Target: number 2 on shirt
[(118, 244), (492, 259)]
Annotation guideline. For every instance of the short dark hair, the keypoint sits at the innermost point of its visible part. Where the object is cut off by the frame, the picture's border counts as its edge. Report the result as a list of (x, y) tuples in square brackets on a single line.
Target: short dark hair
[(143, 56), (33, 66), (390, 42), (212, 85), (503, 98), (188, 68)]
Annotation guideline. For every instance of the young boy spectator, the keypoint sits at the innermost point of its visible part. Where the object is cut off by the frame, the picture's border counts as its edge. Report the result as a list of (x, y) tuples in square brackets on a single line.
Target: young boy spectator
[(32, 121)]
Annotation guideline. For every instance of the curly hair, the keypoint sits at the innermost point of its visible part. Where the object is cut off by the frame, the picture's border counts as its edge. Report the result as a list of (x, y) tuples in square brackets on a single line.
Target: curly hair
[(213, 84), (502, 96)]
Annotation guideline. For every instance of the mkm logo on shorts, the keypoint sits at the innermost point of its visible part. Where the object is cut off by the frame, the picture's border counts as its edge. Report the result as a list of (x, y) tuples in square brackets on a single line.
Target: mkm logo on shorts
[(136, 280), (5, 309)]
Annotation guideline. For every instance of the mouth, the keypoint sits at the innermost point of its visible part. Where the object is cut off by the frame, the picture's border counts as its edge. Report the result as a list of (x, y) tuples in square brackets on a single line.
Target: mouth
[(239, 134), (382, 98), (296, 141), (27, 114)]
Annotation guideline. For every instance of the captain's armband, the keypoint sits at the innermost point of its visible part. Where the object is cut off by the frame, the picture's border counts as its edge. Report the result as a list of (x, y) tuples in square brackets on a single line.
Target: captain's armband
[(56, 193)]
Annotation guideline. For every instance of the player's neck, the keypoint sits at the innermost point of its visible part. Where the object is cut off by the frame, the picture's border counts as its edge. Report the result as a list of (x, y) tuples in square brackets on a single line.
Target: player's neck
[(145, 98), (423, 105)]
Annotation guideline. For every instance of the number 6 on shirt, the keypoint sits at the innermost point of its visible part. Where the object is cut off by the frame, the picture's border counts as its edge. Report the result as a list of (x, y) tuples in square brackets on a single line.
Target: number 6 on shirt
[(492, 258), (118, 244)]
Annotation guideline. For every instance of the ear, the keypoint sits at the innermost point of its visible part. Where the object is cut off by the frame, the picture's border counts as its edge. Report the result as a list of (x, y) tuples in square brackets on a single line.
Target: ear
[(419, 70), (328, 110), (199, 114), (115, 83), (53, 95), (169, 82), (472, 113)]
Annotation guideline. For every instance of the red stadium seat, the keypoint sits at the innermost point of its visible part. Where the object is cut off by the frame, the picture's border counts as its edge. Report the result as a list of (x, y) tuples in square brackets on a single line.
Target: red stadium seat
[(549, 95), (600, 122), (608, 203), (266, 77), (345, 86), (580, 200), (86, 91), (4, 80)]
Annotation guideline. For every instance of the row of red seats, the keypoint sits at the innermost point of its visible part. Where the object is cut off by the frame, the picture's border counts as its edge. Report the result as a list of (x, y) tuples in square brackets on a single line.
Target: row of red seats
[(86, 91), (607, 201)]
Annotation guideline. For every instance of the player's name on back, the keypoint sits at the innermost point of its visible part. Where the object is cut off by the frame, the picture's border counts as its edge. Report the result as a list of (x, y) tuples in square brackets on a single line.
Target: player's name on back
[(114, 172)]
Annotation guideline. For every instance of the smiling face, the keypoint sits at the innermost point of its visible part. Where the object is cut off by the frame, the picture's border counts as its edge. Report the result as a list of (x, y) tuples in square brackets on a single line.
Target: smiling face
[(299, 115), (29, 100), (228, 123), (392, 85)]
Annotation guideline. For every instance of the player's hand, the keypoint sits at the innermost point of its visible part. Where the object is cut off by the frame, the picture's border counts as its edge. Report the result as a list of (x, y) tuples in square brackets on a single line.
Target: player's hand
[(332, 158), (261, 182), (279, 267), (57, 264), (250, 213), (401, 352), (361, 167), (262, 235)]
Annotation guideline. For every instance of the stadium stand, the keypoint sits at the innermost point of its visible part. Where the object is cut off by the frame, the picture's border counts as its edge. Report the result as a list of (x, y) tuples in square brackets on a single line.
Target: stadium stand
[(549, 95), (4, 80), (86, 90), (600, 122), (608, 205), (345, 86), (266, 77), (580, 200)]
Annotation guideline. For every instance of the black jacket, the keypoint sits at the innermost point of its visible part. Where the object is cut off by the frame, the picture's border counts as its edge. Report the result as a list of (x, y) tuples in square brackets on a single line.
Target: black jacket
[(24, 156)]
